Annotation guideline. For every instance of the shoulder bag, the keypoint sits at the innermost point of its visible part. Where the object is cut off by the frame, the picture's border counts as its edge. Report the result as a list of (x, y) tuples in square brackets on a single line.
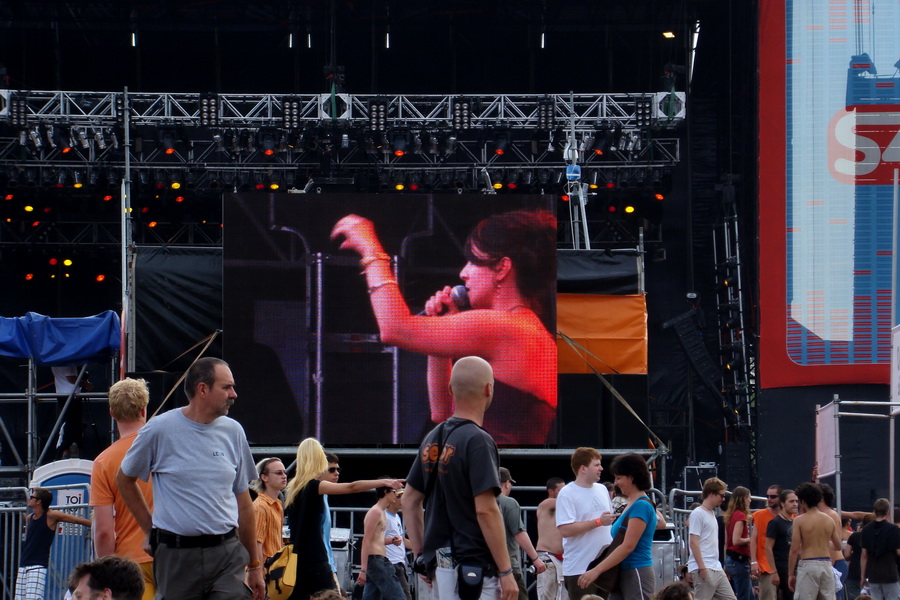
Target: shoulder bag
[(608, 580)]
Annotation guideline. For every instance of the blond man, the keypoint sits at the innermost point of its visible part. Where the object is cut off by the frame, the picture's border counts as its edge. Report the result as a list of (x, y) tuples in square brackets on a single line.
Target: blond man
[(115, 530)]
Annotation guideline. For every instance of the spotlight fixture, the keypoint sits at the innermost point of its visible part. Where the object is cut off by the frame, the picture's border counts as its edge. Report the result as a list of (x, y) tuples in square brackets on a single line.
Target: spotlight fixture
[(462, 113), (546, 111), (399, 143), (18, 110), (81, 136), (378, 111), (290, 116), (121, 108), (99, 139), (501, 143), (167, 140), (266, 141), (60, 138), (643, 107), (209, 110)]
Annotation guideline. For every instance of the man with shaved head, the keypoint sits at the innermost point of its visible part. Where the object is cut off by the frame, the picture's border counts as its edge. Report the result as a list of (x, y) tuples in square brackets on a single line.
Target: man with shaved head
[(460, 539)]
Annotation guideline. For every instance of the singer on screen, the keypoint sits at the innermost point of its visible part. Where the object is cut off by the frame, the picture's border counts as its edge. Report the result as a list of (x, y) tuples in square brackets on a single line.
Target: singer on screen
[(510, 282)]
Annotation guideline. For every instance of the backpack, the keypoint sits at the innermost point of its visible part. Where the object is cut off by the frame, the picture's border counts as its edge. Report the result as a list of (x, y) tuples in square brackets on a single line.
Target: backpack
[(281, 573)]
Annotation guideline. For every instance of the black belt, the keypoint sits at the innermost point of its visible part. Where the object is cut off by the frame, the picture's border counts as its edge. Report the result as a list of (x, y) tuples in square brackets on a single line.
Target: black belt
[(173, 540)]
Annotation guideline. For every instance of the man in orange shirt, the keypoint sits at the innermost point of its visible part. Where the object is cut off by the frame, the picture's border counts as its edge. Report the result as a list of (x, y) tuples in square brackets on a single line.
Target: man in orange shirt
[(759, 565), (115, 529)]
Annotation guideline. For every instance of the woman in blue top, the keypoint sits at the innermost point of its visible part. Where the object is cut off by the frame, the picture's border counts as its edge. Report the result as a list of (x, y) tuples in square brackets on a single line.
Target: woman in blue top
[(637, 581)]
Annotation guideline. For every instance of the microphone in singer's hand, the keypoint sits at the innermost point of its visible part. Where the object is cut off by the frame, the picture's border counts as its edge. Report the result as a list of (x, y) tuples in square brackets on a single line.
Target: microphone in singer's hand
[(460, 296)]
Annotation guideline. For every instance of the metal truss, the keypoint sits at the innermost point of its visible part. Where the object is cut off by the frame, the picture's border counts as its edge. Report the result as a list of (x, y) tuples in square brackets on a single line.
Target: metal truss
[(99, 109), (325, 133)]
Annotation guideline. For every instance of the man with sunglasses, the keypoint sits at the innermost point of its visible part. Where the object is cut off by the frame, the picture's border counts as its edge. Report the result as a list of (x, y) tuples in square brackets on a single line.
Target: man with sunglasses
[(759, 565)]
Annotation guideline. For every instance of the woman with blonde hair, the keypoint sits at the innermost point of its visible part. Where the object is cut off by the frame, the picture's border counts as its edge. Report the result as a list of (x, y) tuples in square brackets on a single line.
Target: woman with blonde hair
[(305, 509), (737, 543), (510, 284)]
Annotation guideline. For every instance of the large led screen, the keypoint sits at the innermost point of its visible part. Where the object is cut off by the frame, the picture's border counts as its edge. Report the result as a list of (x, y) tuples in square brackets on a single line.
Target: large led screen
[(343, 313), (829, 155)]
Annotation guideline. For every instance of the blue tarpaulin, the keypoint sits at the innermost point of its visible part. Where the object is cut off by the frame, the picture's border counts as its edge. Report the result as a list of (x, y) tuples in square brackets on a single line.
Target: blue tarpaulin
[(64, 341)]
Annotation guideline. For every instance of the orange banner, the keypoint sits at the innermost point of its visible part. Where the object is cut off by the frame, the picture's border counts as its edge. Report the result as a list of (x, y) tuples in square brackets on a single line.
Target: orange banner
[(613, 328)]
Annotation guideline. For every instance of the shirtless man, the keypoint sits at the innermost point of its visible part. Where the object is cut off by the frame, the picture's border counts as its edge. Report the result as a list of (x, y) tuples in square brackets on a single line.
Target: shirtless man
[(837, 556), (378, 574), (549, 545), (815, 536)]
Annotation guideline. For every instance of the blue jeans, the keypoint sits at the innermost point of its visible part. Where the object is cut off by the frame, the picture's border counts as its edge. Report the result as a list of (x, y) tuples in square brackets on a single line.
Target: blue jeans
[(381, 580), (740, 578), (843, 567)]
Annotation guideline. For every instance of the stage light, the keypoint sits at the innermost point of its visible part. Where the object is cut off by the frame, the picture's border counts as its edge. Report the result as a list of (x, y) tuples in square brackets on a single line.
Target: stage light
[(35, 223), (564, 197), (643, 107), (399, 142), (451, 144), (668, 35), (35, 135), (107, 198), (60, 138), (290, 115), (659, 197), (461, 113), (501, 143), (266, 141), (151, 224), (99, 139), (61, 179), (498, 185), (53, 261), (610, 185), (209, 110), (67, 262), (611, 208), (78, 180), (546, 112), (167, 140), (629, 209), (29, 276), (18, 110), (378, 111), (399, 186), (100, 278)]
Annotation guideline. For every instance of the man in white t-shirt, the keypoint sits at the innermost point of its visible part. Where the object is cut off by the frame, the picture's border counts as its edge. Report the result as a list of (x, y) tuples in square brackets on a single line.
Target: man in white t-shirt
[(704, 567), (395, 542), (583, 517)]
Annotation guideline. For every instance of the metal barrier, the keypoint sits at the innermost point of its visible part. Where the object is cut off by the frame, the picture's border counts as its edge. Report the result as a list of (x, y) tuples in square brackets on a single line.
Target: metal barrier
[(71, 546)]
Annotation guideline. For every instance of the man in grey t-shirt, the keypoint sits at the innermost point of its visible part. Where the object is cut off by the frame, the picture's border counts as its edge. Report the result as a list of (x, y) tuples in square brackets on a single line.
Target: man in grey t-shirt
[(201, 467)]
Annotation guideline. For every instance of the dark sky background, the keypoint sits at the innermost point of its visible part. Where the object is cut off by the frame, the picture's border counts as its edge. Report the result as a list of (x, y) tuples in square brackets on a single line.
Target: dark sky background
[(460, 46)]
